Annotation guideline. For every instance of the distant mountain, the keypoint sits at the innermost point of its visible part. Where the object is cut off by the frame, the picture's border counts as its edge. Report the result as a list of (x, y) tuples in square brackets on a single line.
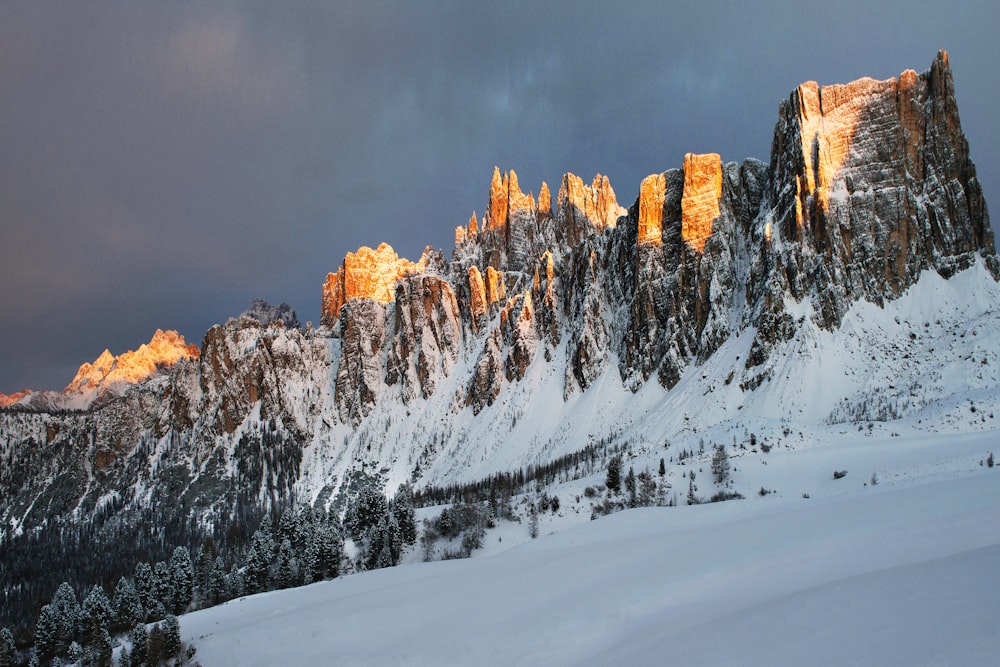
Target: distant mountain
[(265, 313), (108, 376), (829, 285)]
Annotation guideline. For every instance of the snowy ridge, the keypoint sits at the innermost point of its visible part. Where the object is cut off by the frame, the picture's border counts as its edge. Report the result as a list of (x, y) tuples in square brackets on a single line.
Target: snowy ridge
[(773, 307)]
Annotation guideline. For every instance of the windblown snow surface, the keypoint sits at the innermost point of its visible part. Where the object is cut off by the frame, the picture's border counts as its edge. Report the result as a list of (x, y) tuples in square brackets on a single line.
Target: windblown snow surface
[(819, 571)]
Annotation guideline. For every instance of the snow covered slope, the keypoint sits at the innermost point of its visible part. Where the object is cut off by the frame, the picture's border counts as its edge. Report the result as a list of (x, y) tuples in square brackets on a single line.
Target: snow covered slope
[(899, 573)]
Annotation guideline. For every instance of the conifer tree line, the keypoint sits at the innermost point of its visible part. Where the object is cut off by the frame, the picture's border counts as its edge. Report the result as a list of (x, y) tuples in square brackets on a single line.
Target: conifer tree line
[(265, 546), (301, 546), (574, 465)]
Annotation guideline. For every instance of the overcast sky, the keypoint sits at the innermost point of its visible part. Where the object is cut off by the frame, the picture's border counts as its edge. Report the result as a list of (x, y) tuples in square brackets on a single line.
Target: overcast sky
[(162, 163)]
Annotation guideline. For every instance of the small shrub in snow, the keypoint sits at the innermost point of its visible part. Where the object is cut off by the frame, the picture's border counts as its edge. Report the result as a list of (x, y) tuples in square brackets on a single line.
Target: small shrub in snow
[(989, 460), (725, 495)]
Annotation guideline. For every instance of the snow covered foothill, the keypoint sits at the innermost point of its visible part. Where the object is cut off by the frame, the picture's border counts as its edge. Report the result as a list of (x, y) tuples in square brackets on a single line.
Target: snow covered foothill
[(903, 572)]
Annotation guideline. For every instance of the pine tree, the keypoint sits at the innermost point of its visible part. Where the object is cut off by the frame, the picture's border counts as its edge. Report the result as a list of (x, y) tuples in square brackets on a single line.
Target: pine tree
[(383, 544), (145, 585), (97, 617), (216, 589), (48, 642), (182, 580), (692, 499), (154, 646), (98, 653), (614, 480), (406, 516), (139, 638), (647, 488), (164, 586), (8, 649), (266, 531), (663, 467), (367, 511), (720, 464), (630, 487), (204, 561), (324, 554), (287, 569), (58, 623), (533, 523), (394, 538), (171, 636), (127, 604), (258, 562)]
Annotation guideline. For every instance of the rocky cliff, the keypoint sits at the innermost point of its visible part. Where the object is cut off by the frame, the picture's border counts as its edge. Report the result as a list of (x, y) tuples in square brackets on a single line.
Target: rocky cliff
[(426, 370)]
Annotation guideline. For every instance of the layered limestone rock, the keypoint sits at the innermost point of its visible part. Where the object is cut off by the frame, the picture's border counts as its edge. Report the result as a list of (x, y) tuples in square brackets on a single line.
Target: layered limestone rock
[(651, 197), (366, 274), (487, 375), (246, 367), (428, 336), (478, 305), (512, 232), (869, 183), (544, 202), (585, 209), (872, 183), (496, 292), (268, 314), (544, 291), (361, 372), (469, 232), (700, 202), (590, 339), (108, 371)]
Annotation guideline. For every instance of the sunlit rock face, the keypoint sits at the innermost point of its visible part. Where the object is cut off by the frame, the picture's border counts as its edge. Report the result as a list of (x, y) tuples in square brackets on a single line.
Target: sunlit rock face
[(165, 349), (366, 274), (10, 399), (585, 209), (700, 202), (651, 195), (869, 184)]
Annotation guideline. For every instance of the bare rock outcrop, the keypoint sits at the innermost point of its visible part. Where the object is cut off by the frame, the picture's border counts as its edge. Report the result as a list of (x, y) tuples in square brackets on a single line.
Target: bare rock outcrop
[(427, 339), (366, 274)]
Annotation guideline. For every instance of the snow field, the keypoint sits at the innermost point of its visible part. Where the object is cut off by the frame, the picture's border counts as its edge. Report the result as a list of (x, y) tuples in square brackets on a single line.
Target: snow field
[(900, 573)]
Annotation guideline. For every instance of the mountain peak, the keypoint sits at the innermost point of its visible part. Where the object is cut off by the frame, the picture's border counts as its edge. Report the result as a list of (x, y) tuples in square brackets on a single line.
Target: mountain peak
[(109, 372), (366, 274), (266, 313)]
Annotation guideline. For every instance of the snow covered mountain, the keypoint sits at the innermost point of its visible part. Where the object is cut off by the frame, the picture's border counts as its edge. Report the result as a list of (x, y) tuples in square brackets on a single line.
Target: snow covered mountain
[(108, 376), (851, 280)]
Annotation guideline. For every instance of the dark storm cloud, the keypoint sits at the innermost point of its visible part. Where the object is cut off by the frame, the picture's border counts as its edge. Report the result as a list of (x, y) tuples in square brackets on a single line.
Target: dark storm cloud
[(165, 163)]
